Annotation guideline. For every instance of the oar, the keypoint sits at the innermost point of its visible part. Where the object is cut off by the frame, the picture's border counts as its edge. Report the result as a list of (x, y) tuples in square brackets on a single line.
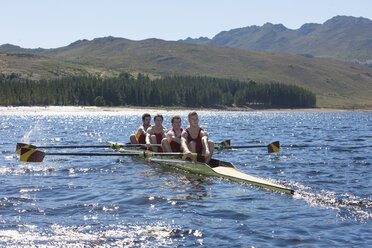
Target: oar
[(225, 143), (271, 148), (113, 146), (33, 155)]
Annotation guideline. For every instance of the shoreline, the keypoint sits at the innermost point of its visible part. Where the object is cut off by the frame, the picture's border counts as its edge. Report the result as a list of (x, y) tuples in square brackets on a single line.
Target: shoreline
[(42, 109)]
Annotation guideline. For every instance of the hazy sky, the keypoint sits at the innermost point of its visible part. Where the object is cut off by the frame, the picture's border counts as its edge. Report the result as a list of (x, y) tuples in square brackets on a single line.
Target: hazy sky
[(51, 23)]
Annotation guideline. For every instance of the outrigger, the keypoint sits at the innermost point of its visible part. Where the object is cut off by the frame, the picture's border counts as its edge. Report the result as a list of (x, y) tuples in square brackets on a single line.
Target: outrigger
[(215, 168)]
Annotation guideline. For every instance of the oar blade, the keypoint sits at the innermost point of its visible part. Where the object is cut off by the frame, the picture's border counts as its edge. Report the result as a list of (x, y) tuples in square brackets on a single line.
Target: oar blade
[(23, 145), (225, 143), (31, 155), (273, 147), (118, 143)]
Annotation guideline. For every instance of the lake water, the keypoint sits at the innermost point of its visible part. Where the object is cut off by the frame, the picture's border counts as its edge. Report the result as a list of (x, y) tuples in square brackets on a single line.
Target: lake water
[(107, 201)]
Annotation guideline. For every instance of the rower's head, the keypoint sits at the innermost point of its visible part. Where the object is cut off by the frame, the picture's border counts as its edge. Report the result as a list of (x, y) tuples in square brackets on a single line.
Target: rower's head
[(146, 118), (176, 122), (158, 120), (193, 119)]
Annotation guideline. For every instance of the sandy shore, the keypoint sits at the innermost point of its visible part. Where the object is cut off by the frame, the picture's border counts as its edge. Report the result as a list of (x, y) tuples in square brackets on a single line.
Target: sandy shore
[(80, 109)]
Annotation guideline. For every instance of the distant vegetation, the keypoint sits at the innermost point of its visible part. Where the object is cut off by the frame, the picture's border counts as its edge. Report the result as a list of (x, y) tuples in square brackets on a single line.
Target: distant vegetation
[(336, 84), (187, 91)]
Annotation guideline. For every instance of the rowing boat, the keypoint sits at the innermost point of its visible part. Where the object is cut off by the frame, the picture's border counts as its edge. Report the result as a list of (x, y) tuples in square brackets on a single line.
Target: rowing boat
[(217, 168)]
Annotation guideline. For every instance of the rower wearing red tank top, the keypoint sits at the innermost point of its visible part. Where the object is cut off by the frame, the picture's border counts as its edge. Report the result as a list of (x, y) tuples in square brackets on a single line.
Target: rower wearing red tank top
[(155, 134), (194, 139), (172, 143), (140, 136)]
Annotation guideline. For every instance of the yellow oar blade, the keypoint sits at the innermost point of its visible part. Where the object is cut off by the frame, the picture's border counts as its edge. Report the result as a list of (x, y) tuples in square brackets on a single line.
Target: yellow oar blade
[(115, 145), (273, 147), (23, 145), (31, 155), (225, 143)]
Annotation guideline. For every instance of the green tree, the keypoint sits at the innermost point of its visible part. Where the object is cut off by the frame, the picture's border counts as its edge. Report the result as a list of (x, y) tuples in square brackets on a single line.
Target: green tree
[(99, 101), (239, 98)]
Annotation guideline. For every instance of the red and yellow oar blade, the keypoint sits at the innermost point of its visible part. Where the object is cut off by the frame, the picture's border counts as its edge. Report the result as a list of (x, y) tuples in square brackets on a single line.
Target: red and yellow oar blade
[(273, 147), (31, 155), (23, 145)]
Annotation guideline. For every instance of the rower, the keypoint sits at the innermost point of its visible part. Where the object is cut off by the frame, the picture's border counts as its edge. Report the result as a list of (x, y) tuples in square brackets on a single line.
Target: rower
[(155, 134), (140, 136), (172, 142), (194, 139)]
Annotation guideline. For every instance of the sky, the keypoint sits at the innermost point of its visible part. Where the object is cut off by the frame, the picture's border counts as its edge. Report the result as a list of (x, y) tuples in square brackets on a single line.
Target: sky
[(52, 23)]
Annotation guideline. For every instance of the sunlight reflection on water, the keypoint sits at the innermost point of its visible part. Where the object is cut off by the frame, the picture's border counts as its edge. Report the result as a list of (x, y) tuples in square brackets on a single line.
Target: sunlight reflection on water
[(90, 201)]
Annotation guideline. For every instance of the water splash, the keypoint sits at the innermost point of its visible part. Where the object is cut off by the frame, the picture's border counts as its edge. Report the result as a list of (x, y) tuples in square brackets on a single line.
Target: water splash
[(34, 131), (26, 136), (117, 235), (348, 206)]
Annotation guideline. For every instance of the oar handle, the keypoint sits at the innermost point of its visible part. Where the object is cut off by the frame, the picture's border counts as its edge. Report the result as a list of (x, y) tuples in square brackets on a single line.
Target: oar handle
[(33, 155), (141, 154), (90, 154), (236, 147), (272, 147), (62, 147), (99, 146), (138, 145), (113, 146)]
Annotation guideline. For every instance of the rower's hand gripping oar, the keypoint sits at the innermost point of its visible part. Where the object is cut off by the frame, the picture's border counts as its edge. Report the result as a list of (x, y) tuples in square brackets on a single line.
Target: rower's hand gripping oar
[(33, 155), (271, 148)]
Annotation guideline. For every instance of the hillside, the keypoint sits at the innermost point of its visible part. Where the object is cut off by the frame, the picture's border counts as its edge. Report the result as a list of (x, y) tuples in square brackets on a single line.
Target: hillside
[(342, 37), (337, 84), (36, 67)]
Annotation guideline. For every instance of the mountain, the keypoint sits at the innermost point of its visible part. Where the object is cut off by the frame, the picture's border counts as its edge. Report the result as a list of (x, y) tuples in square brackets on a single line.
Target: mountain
[(343, 38), (17, 49), (336, 83), (31, 65)]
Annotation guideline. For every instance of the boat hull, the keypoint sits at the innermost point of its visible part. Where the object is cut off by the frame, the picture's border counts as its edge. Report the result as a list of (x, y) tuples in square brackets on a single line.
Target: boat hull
[(221, 169), (215, 168)]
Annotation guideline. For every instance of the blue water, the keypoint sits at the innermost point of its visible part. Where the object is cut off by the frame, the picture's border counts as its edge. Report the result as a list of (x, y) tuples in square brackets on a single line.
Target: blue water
[(107, 201)]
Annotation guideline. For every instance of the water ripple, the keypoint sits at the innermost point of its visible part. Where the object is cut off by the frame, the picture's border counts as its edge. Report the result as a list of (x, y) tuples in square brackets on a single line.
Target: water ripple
[(105, 201)]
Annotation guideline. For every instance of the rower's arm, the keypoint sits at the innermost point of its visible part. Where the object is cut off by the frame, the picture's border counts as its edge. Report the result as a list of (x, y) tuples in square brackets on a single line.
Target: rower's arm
[(184, 146), (164, 133), (170, 135), (204, 138), (148, 135), (140, 130)]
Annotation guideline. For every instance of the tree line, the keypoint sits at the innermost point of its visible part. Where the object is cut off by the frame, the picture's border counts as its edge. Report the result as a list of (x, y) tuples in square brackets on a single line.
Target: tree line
[(187, 91)]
